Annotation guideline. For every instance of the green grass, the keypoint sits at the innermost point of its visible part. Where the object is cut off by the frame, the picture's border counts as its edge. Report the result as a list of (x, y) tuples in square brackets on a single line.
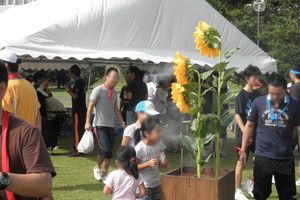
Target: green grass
[(75, 181)]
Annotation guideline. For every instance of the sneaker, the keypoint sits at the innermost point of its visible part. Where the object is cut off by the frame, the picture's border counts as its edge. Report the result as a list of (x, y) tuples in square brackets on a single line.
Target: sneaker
[(97, 174), (239, 195), (273, 179), (248, 187), (56, 147), (298, 182), (74, 154)]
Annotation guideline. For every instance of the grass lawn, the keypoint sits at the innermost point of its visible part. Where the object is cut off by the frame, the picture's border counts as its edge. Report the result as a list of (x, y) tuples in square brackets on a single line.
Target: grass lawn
[(75, 181)]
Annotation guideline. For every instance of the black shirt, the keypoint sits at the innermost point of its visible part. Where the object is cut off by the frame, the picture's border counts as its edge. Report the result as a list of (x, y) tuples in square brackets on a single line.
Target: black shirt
[(79, 105), (139, 92), (243, 104), (124, 98), (43, 101), (295, 91)]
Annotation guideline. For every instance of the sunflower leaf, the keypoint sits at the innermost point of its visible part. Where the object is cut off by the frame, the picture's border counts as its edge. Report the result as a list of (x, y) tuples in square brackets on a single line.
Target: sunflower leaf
[(229, 72), (220, 66), (231, 52), (206, 74)]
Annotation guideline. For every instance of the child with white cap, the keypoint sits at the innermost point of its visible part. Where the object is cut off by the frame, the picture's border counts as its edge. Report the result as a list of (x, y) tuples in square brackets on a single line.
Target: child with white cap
[(144, 109)]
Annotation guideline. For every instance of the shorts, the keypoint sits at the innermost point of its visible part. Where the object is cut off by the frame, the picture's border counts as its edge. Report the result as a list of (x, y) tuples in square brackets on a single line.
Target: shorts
[(152, 193), (250, 148), (284, 173), (106, 140)]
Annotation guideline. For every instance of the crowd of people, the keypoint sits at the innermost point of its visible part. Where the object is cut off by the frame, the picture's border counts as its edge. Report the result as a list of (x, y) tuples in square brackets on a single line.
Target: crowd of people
[(30, 118)]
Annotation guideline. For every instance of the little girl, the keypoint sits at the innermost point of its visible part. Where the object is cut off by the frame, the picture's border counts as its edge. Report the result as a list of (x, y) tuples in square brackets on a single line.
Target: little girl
[(122, 184), (150, 156)]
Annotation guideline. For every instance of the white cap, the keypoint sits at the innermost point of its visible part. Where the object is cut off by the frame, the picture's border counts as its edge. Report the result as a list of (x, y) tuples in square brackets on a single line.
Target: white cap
[(146, 107), (289, 85), (8, 56)]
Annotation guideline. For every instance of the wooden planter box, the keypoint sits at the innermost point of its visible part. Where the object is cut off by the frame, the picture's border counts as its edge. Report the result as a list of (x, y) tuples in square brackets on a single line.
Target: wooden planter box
[(175, 186)]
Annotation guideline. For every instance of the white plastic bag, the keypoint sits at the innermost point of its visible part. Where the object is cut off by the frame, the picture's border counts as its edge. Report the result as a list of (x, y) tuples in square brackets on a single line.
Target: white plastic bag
[(86, 143)]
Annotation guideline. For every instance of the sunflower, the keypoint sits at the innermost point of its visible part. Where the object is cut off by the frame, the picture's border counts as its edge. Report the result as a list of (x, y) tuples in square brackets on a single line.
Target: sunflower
[(180, 69), (178, 98), (207, 40)]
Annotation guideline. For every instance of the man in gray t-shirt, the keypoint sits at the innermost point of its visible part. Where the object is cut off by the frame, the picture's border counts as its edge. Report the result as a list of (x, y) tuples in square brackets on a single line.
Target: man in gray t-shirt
[(104, 99)]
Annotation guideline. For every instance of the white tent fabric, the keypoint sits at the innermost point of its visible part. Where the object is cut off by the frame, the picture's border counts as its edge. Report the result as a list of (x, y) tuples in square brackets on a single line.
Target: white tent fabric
[(149, 30)]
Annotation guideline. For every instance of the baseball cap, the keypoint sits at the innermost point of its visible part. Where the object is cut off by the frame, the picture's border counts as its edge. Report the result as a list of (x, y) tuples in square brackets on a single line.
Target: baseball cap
[(146, 107), (8, 56)]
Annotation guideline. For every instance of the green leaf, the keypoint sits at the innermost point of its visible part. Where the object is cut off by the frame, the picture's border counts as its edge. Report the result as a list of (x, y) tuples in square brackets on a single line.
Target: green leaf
[(191, 86), (214, 126), (206, 74), (228, 97), (228, 73), (202, 129), (214, 106), (194, 126), (208, 139), (193, 96), (205, 85), (194, 110), (227, 119), (231, 52), (203, 162), (220, 66)]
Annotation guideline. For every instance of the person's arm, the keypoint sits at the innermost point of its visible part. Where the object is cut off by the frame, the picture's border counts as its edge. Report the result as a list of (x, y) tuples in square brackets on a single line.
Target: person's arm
[(69, 90), (119, 115), (107, 190), (39, 120), (239, 121), (89, 112), (247, 135), (151, 163), (30, 185), (129, 95), (121, 104), (142, 191), (125, 141)]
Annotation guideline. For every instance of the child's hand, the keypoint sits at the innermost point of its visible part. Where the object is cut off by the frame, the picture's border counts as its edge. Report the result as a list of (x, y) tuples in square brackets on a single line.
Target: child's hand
[(152, 163), (164, 164)]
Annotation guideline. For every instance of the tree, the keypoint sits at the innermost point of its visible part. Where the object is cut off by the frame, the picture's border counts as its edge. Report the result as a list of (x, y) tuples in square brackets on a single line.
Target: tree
[(280, 27)]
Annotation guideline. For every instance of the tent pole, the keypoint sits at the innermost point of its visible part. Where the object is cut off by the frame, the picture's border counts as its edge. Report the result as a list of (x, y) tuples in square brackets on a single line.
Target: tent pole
[(89, 84)]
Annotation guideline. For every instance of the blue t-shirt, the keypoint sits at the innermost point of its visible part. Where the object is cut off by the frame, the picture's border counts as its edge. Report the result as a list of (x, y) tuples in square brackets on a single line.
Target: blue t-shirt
[(274, 140)]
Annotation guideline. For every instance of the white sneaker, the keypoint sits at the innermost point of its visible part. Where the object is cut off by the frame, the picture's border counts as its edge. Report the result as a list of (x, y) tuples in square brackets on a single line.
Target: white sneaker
[(298, 182), (97, 174), (248, 187), (239, 195), (273, 179)]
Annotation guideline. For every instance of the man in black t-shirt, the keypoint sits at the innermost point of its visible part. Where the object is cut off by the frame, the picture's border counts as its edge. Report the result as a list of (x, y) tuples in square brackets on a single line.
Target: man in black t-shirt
[(295, 94), (243, 105), (77, 90), (124, 102), (136, 91)]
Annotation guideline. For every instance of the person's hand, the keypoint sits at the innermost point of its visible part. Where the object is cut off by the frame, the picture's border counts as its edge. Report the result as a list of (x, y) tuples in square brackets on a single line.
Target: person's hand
[(152, 163), (66, 87), (164, 164), (88, 126), (243, 159), (123, 125)]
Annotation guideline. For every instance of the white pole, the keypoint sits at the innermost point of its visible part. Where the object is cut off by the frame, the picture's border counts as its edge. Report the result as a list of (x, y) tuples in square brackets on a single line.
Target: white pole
[(89, 84)]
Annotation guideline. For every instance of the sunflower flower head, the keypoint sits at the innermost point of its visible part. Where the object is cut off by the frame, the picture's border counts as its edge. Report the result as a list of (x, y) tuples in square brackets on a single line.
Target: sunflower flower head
[(207, 40), (180, 69), (178, 97)]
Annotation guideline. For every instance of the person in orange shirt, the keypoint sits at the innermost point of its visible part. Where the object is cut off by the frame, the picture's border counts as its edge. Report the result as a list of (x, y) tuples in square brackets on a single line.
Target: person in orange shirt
[(20, 99)]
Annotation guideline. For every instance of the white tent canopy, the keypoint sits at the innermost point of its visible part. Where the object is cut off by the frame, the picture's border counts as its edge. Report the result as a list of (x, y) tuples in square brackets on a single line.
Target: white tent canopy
[(146, 30)]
